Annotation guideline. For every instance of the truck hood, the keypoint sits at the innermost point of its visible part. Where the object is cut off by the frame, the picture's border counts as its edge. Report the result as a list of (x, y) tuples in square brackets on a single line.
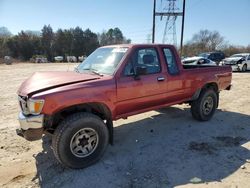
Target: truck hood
[(41, 81)]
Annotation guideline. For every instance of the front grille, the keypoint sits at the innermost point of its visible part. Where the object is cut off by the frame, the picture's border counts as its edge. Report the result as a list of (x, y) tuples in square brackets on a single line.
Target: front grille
[(23, 104)]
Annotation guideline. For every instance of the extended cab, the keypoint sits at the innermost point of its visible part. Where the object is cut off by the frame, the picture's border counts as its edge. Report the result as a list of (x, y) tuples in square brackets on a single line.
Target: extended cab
[(78, 108)]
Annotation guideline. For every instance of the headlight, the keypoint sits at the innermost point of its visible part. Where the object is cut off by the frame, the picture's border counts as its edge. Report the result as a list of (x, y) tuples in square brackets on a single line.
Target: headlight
[(35, 106)]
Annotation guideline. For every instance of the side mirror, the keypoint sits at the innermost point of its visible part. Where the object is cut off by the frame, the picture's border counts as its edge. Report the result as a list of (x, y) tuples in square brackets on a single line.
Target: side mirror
[(140, 70)]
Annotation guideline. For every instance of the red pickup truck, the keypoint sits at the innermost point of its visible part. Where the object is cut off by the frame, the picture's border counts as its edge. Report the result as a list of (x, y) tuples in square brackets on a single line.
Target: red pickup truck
[(78, 108)]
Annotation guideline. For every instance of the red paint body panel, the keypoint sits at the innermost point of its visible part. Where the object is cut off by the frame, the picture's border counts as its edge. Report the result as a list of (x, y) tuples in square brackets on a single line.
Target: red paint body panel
[(124, 96), (43, 80)]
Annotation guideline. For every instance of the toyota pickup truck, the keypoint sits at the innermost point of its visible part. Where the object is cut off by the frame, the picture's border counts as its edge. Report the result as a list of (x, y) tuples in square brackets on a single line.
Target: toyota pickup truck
[(78, 108)]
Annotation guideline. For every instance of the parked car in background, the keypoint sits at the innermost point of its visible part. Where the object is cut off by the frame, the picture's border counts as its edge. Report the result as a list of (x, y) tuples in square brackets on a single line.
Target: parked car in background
[(71, 59), (58, 58), (197, 61), (8, 60), (214, 56), (41, 60), (238, 62), (82, 58)]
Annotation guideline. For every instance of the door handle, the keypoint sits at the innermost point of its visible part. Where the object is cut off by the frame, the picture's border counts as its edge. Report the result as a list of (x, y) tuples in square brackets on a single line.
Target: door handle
[(160, 79)]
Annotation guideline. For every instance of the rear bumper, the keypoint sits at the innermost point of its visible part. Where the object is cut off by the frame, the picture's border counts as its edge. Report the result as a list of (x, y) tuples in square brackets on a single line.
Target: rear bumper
[(31, 127)]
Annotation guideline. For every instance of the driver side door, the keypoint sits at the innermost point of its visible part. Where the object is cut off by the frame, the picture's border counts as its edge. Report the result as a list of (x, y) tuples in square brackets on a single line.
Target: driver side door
[(135, 93)]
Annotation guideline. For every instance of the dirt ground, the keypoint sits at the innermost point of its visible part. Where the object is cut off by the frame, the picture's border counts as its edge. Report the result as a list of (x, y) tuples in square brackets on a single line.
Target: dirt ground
[(164, 148)]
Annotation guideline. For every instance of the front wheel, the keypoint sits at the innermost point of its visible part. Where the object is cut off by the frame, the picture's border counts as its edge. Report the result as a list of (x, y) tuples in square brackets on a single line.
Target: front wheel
[(244, 68), (80, 140), (204, 107)]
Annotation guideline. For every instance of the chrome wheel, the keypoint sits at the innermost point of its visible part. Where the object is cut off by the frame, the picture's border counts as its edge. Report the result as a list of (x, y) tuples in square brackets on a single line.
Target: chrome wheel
[(208, 105), (84, 142)]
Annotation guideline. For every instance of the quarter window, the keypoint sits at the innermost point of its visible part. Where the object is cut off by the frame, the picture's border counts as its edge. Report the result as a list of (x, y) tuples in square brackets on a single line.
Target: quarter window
[(170, 61)]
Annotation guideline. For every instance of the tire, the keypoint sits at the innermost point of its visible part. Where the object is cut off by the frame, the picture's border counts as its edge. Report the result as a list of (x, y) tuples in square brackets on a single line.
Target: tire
[(80, 140), (204, 107), (244, 68)]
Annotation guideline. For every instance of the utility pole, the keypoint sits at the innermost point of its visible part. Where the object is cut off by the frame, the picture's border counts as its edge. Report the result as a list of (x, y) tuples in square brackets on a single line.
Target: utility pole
[(153, 32), (182, 25)]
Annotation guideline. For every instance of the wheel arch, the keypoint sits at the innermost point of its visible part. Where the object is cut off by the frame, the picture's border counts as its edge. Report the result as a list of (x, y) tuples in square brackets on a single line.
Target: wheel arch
[(210, 85), (96, 108), (245, 64)]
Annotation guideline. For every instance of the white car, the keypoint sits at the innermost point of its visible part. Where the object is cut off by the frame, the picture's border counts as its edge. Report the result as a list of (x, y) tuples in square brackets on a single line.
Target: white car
[(58, 58), (197, 61), (238, 62)]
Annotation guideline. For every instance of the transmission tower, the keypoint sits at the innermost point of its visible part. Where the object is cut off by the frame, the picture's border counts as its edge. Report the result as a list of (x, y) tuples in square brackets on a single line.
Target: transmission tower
[(169, 14), (169, 34)]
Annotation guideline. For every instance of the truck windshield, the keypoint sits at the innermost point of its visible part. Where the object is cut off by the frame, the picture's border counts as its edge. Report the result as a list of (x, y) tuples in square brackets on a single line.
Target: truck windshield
[(102, 60)]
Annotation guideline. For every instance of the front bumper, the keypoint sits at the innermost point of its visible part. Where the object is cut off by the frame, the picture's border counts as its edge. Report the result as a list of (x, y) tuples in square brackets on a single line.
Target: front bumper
[(31, 127), (237, 67)]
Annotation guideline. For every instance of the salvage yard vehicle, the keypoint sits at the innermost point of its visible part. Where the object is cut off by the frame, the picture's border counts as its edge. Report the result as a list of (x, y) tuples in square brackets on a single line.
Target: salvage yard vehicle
[(78, 108), (214, 56), (59, 58), (197, 61), (238, 62)]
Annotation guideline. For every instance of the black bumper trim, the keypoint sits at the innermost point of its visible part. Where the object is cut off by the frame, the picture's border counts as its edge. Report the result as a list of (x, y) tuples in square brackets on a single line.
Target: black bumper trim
[(30, 134), (229, 87)]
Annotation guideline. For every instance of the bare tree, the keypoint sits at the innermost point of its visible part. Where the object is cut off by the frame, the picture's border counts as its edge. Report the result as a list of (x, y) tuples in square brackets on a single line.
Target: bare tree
[(204, 41), (208, 40)]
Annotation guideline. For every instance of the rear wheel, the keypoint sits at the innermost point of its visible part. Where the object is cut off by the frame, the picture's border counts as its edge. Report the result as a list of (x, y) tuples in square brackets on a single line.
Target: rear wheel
[(204, 107), (80, 140), (244, 68)]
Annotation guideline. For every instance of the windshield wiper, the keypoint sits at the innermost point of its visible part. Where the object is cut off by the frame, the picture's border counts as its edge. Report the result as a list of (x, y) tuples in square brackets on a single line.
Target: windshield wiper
[(94, 71)]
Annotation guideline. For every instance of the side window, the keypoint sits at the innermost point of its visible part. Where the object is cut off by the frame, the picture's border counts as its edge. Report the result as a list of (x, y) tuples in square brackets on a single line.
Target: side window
[(206, 61), (222, 56), (170, 61), (248, 57), (144, 57), (216, 56), (212, 57), (202, 61)]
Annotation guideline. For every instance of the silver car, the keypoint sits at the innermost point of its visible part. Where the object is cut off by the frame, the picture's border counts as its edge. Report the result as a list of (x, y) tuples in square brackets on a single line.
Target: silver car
[(238, 62), (197, 61)]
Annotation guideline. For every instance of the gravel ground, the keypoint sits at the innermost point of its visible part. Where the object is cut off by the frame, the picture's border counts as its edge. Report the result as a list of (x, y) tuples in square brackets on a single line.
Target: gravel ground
[(164, 148)]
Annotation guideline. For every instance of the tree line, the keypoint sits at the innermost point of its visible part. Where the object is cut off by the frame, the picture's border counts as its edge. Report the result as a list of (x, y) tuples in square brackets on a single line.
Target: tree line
[(207, 41), (78, 42), (64, 42)]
